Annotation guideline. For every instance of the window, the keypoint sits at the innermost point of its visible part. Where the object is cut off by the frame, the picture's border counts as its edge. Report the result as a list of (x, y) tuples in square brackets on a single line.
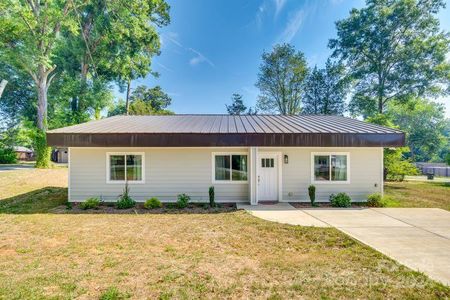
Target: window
[(230, 167), (267, 162), (125, 167), (330, 167)]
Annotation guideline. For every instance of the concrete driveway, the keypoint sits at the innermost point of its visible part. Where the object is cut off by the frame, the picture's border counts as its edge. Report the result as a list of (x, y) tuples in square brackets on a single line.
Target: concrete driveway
[(418, 238)]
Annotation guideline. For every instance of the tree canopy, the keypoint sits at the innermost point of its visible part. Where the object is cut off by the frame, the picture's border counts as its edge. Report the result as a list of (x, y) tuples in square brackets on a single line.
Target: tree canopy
[(393, 49), (424, 124), (237, 106), (145, 101), (73, 50), (325, 90), (280, 80)]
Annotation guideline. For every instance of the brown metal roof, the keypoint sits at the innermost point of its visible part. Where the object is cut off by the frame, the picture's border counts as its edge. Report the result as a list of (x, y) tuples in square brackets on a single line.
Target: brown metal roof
[(226, 124), (225, 130)]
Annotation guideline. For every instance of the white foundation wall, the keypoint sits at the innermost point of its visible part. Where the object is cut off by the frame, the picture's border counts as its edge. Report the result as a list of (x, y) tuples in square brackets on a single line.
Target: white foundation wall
[(168, 172), (172, 171)]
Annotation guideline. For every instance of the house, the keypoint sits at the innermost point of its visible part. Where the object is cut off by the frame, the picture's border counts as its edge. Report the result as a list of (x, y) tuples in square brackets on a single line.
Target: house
[(23, 153), (60, 155), (248, 158)]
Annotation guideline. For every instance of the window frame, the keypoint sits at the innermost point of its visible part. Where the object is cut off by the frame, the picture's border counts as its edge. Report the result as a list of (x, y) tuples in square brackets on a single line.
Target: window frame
[(330, 181), (231, 181), (108, 168)]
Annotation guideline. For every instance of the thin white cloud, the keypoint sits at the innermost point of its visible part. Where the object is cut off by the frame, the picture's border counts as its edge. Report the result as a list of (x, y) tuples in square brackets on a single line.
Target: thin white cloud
[(293, 26), (199, 58), (164, 67), (267, 8), (279, 4), (262, 8)]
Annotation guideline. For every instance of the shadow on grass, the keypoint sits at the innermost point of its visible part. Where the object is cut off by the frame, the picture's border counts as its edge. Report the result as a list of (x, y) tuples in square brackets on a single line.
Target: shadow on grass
[(37, 201), (54, 200)]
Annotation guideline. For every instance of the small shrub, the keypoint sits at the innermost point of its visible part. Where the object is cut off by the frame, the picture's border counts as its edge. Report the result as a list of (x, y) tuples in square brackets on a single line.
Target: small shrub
[(340, 200), (212, 202), (68, 205), (125, 201), (171, 205), (91, 203), (375, 200), (152, 203), (183, 200), (312, 195), (7, 156)]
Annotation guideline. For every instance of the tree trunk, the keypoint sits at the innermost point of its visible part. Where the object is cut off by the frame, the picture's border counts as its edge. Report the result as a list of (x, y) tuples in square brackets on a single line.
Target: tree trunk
[(2, 86), (42, 104), (40, 143), (127, 104)]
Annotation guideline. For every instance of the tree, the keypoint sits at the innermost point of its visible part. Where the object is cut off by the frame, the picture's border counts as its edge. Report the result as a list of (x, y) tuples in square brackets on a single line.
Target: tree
[(325, 90), (18, 99), (424, 123), (29, 36), (396, 165), (3, 83), (280, 80), (393, 49), (237, 106), (116, 42), (144, 101)]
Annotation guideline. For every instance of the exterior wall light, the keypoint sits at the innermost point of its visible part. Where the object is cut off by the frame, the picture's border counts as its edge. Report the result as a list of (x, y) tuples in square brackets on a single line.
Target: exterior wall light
[(286, 159)]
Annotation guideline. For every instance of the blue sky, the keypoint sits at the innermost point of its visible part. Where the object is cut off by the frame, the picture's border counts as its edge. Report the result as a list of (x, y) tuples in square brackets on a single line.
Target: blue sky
[(213, 49)]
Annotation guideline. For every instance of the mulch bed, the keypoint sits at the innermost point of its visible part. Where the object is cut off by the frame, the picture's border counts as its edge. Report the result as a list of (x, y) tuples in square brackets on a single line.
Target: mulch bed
[(324, 205), (109, 208)]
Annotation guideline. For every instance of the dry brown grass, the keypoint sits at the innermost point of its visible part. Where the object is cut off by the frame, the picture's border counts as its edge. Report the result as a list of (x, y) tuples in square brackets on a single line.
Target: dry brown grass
[(226, 255), (230, 255), (13, 183)]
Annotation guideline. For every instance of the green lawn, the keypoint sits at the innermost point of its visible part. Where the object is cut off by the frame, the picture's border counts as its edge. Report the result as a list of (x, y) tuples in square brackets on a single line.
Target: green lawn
[(418, 194), (184, 256)]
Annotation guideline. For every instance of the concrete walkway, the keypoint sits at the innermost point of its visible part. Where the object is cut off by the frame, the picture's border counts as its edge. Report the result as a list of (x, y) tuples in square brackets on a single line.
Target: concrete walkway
[(282, 213), (418, 238)]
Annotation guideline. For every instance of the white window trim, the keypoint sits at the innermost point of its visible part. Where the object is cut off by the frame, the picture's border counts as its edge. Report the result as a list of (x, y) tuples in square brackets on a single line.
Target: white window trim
[(108, 169), (313, 181), (213, 170)]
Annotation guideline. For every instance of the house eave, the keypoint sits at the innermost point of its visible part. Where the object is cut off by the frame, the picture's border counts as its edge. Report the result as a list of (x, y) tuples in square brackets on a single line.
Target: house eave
[(226, 139)]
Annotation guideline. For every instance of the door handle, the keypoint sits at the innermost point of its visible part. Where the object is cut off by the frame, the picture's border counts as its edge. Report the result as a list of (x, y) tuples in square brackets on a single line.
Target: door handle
[(258, 178)]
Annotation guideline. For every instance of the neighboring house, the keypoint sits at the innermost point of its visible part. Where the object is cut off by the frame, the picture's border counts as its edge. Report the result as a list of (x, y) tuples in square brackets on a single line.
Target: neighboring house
[(60, 155), (246, 158), (23, 153)]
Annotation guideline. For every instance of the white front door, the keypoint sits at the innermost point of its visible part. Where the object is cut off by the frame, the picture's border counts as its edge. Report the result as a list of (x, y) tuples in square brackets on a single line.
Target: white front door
[(268, 177)]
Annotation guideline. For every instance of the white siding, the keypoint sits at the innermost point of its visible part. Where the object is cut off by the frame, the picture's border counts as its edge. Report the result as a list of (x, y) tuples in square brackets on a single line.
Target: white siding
[(172, 171), (168, 172), (365, 174)]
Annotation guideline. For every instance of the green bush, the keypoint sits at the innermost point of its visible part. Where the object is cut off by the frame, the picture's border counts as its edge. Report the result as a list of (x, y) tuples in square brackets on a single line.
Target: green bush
[(152, 203), (7, 156), (125, 201), (183, 200), (397, 167), (212, 202), (375, 200), (312, 195), (90, 203), (340, 200)]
